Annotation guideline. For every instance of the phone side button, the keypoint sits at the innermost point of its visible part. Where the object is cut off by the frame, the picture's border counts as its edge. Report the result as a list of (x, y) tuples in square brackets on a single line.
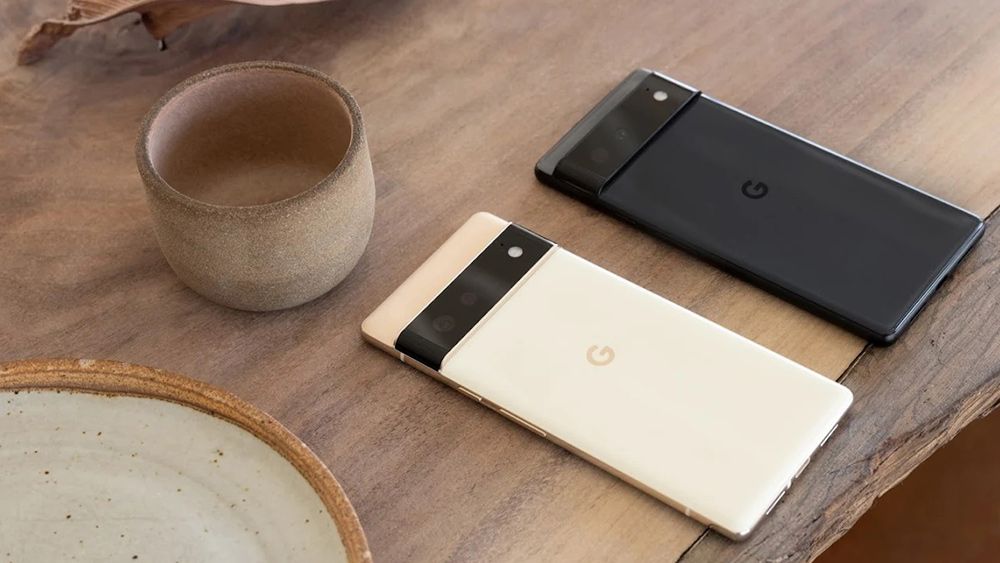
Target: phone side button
[(470, 394), (775, 503), (522, 422), (828, 434), (801, 469)]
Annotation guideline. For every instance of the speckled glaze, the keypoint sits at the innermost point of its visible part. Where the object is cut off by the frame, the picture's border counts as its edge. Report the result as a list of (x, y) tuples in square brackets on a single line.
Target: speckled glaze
[(105, 461), (276, 254)]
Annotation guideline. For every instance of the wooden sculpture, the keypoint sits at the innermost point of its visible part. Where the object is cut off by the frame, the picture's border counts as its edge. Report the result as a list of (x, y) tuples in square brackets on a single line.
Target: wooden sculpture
[(160, 17)]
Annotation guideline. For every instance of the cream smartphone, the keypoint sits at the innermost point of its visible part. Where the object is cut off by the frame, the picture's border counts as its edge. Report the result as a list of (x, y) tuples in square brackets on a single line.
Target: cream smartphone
[(697, 416)]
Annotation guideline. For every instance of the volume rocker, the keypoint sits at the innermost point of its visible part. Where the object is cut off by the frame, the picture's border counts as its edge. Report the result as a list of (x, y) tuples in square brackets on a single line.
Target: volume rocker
[(801, 469), (775, 503), (828, 434), (470, 394), (522, 422)]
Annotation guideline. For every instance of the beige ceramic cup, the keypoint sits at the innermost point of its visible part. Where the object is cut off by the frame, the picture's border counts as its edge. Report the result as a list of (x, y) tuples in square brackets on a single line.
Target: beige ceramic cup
[(260, 183)]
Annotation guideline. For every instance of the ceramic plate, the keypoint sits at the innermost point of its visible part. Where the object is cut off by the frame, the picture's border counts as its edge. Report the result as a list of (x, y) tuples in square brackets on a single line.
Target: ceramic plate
[(103, 461)]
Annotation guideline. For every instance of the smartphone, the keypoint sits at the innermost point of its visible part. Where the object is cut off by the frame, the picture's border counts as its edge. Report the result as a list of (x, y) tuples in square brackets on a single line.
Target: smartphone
[(699, 417), (844, 241)]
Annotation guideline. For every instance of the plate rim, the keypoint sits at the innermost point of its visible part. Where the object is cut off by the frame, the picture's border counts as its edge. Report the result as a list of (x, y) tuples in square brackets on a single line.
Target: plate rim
[(115, 378)]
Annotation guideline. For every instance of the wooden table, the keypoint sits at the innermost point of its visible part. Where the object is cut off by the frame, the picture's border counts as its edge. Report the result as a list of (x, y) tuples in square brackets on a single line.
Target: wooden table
[(460, 100)]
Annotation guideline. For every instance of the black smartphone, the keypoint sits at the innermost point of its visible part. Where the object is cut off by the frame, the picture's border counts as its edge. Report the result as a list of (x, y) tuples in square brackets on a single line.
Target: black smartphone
[(834, 236)]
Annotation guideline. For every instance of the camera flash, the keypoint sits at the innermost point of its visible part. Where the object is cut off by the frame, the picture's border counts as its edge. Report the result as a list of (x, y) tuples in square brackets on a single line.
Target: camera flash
[(660, 95), (515, 252)]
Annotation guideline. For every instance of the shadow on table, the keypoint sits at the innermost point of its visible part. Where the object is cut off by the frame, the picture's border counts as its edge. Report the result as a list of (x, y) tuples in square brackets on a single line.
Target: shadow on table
[(948, 509)]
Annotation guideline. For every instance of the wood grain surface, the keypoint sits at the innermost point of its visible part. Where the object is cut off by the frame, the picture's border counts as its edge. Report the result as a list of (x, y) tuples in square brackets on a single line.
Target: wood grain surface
[(909, 400), (460, 99)]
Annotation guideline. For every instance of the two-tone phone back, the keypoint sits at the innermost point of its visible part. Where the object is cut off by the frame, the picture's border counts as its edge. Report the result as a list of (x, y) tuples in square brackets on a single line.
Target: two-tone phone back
[(847, 242), (694, 414)]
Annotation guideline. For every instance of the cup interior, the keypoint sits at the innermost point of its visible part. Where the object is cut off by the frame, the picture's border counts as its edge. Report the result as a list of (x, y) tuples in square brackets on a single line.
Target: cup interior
[(250, 137)]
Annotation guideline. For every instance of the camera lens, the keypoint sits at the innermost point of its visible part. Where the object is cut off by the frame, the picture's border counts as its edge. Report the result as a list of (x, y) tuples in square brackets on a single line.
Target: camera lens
[(599, 155), (444, 323), (621, 134), (468, 298)]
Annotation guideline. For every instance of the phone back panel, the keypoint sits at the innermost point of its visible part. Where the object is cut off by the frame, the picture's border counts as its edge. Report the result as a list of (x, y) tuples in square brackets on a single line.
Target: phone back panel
[(693, 413), (846, 238), (854, 245)]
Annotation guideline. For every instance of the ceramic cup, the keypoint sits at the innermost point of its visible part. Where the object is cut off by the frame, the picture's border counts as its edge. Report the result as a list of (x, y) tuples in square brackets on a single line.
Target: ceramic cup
[(260, 183)]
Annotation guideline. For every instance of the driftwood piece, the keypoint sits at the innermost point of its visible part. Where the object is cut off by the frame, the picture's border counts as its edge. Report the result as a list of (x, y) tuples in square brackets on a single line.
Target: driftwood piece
[(160, 17)]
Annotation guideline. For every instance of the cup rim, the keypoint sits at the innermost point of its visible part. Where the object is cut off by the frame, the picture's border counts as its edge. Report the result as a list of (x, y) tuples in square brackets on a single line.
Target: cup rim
[(157, 184)]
